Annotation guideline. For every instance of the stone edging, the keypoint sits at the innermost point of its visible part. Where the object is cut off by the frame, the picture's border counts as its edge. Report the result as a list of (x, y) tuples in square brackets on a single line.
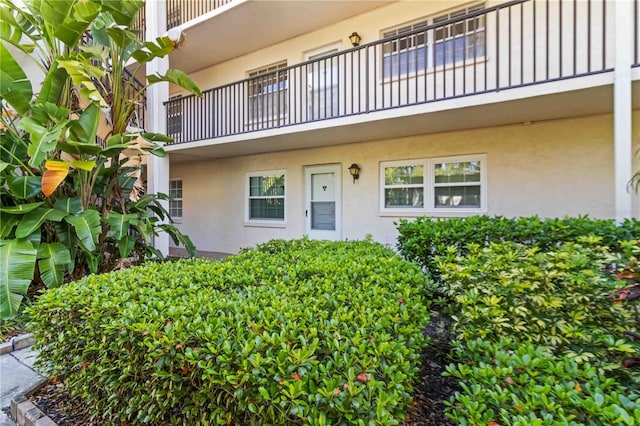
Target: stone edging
[(17, 343), (25, 413)]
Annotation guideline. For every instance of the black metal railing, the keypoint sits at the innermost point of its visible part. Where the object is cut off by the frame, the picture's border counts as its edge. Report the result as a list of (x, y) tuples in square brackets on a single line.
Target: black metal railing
[(181, 11), (139, 24), (518, 43)]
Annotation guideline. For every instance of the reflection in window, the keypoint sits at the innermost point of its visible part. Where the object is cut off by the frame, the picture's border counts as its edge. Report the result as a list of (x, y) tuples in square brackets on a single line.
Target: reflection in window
[(454, 183), (266, 197), (268, 93), (437, 46)]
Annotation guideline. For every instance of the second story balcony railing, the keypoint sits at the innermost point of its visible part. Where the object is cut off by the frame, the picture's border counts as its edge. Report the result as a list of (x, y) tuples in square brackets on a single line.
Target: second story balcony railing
[(516, 44), (181, 11)]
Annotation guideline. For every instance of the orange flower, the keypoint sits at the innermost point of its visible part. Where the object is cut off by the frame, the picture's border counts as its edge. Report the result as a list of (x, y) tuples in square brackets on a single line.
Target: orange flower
[(578, 388), (296, 376)]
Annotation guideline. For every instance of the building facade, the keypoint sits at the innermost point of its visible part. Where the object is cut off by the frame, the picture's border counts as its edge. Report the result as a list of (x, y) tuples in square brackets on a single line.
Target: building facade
[(447, 108)]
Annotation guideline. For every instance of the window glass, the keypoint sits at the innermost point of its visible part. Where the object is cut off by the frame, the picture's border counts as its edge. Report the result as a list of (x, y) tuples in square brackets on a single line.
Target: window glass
[(429, 185), (268, 92), (266, 196), (468, 171), (175, 203), (441, 45)]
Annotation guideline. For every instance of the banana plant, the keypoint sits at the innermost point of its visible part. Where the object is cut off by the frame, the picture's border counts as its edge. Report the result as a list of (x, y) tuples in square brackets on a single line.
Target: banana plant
[(72, 151)]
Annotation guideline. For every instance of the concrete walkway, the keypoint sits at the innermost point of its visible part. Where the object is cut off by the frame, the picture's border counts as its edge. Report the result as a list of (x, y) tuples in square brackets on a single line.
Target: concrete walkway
[(16, 376)]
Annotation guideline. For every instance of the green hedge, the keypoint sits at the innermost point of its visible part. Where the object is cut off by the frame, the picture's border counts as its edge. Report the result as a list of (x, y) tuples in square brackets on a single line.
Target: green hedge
[(297, 332), (540, 342), (425, 238)]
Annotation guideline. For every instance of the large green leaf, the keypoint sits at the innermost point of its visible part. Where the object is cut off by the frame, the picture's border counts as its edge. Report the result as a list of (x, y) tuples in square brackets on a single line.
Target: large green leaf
[(7, 223), (30, 222), (76, 22), (45, 113), (53, 259), (72, 205), (152, 50), (119, 223), (126, 245), (53, 85), (15, 87), (79, 148), (43, 140), (87, 227), (83, 74), (54, 12), (17, 32), (179, 238), (123, 12), (178, 78), (21, 208), (17, 265), (24, 186), (86, 127)]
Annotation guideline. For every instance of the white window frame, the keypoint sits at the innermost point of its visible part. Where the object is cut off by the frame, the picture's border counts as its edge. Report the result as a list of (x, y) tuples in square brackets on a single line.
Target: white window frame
[(178, 200), (429, 39), (262, 221), (428, 185)]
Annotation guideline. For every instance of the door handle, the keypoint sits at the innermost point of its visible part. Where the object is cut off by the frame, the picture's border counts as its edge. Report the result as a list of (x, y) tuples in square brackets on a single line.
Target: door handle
[(306, 213)]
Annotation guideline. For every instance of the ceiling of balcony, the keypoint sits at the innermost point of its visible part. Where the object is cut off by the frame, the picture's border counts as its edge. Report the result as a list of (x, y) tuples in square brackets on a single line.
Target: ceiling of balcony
[(241, 27)]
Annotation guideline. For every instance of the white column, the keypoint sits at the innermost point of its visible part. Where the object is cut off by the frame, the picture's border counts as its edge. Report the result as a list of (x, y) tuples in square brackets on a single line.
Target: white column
[(622, 107), (158, 168)]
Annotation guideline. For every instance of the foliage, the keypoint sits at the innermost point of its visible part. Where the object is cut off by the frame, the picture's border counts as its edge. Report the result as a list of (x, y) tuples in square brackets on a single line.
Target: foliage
[(539, 339), (72, 148), (291, 332), (521, 384), (425, 238), (627, 268), (556, 298)]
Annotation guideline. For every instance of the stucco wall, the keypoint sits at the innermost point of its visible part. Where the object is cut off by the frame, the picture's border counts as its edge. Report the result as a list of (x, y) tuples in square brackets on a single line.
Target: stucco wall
[(552, 168)]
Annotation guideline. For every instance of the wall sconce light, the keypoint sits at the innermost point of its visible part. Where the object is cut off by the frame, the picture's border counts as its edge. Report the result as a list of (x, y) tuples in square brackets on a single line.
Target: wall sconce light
[(355, 39), (354, 169)]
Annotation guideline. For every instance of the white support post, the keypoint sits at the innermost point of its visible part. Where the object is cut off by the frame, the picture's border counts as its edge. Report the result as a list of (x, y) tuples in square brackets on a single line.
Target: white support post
[(622, 107), (158, 168)]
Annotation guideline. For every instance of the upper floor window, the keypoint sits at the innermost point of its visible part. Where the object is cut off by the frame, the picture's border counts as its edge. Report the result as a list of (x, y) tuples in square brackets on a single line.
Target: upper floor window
[(268, 92), (436, 184), (439, 46), (266, 196), (463, 39)]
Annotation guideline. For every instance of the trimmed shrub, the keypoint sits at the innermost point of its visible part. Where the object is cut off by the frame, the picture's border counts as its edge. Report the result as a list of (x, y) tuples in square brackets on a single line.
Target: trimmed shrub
[(291, 332), (426, 238), (522, 384), (540, 342), (556, 298)]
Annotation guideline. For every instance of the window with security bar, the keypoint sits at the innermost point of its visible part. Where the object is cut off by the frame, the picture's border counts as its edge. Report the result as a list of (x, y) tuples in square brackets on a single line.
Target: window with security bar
[(268, 93), (419, 50)]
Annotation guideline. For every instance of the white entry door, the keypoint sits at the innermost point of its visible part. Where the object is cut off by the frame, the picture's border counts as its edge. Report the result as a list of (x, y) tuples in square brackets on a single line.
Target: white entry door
[(323, 207)]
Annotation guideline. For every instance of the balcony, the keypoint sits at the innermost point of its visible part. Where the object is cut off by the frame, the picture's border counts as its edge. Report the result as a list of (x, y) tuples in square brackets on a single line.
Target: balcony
[(516, 45)]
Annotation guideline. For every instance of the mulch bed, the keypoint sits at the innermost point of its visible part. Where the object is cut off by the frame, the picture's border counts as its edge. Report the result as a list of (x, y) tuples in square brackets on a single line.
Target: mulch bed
[(431, 389)]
